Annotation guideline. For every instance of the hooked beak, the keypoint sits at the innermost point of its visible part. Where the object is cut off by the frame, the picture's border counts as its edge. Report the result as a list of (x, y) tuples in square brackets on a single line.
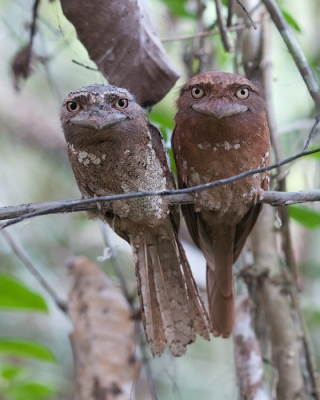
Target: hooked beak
[(220, 108), (98, 119)]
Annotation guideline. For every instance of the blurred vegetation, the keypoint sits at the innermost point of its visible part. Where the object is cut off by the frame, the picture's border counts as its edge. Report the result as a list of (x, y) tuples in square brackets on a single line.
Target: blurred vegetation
[(35, 354)]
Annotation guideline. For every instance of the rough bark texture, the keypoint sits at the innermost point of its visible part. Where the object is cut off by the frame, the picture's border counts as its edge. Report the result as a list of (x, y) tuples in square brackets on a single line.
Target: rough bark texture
[(103, 338), (276, 307), (247, 352), (121, 38)]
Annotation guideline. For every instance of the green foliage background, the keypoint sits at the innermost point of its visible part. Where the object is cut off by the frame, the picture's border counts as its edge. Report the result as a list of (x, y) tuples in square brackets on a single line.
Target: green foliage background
[(35, 354)]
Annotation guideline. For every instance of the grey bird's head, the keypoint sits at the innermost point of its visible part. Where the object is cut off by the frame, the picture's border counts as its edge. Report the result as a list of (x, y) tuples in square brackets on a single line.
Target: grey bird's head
[(94, 113)]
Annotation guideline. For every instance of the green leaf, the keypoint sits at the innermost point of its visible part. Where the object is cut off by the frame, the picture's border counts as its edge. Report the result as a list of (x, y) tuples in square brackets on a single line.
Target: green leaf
[(314, 155), (14, 295), (17, 347), (291, 21), (30, 391), (177, 8), (172, 162), (162, 120), (9, 371), (305, 216)]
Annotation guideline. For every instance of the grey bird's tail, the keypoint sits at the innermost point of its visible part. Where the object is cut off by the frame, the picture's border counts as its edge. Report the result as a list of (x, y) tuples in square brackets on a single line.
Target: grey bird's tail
[(172, 309)]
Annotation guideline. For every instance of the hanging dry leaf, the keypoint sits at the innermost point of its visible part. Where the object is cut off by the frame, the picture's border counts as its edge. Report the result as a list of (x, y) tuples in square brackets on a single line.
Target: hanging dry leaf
[(21, 65), (121, 38), (103, 337), (247, 353)]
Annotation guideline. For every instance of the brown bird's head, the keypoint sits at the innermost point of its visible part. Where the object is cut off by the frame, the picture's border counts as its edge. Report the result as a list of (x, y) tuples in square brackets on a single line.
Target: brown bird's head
[(221, 98), (94, 113)]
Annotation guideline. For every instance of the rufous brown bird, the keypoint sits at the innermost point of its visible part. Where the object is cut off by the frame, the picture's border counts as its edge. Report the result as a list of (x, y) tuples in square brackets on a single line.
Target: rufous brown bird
[(113, 149), (221, 130)]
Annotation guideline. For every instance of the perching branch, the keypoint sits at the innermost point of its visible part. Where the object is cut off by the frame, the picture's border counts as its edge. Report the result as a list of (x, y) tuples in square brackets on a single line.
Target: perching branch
[(25, 211), (33, 270), (85, 204)]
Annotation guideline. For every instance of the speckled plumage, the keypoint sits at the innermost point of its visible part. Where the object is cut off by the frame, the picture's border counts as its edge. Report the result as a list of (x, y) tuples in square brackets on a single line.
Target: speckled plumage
[(113, 149), (216, 136)]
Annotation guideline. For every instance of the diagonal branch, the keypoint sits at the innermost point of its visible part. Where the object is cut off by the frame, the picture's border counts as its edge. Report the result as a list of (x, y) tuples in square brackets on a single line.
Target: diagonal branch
[(82, 204), (295, 50), (222, 28), (32, 269)]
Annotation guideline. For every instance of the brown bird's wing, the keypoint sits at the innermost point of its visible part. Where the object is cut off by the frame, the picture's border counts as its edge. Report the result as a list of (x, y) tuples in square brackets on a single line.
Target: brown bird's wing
[(244, 228), (162, 154)]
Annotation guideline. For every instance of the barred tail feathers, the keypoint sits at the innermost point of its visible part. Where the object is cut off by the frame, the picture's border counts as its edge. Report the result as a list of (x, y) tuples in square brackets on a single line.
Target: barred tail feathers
[(171, 305)]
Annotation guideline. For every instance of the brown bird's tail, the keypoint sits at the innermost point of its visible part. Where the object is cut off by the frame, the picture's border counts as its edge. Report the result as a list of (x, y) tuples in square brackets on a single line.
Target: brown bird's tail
[(172, 308), (220, 289)]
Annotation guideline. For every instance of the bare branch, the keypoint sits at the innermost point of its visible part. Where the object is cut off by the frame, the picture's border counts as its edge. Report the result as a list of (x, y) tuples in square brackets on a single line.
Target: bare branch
[(222, 28), (78, 205), (295, 50), (272, 198), (28, 263), (312, 133), (84, 66), (233, 28), (247, 14), (230, 13)]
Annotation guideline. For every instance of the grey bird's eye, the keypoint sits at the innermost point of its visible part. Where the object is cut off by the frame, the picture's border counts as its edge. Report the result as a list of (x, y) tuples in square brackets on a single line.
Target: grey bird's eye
[(242, 93), (122, 103), (72, 106), (197, 92)]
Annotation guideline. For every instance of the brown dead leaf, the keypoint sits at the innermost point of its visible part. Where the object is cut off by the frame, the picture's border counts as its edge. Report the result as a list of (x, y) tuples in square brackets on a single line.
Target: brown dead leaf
[(21, 65), (121, 38), (103, 337)]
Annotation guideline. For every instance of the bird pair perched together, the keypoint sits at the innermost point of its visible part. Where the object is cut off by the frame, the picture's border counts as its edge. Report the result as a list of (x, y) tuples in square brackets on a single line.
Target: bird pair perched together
[(221, 130)]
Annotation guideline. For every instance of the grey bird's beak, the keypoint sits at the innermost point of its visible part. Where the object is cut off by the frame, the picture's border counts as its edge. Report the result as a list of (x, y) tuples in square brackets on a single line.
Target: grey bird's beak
[(98, 119), (220, 108)]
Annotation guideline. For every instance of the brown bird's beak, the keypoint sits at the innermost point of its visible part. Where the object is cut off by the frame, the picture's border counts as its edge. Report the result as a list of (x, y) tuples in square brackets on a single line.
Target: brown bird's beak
[(220, 108), (98, 119)]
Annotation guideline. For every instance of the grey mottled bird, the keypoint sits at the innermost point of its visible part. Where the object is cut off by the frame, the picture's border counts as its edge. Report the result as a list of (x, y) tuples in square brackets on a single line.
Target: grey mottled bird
[(114, 149)]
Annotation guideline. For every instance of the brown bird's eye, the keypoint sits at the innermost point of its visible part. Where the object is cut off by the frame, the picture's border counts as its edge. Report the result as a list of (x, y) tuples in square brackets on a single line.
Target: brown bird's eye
[(197, 92), (242, 94), (122, 103), (72, 106)]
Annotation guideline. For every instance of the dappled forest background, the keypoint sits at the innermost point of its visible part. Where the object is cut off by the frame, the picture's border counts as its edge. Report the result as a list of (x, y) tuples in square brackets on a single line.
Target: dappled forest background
[(34, 168)]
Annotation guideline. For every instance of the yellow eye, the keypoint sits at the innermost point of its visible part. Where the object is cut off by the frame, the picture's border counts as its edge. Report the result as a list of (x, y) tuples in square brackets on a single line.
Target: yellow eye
[(122, 103), (242, 93), (72, 106), (197, 92)]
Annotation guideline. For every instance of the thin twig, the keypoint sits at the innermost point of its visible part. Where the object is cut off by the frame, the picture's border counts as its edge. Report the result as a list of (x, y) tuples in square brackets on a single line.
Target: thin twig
[(230, 13), (222, 27), (310, 359), (115, 262), (80, 205), (247, 14), (306, 146), (85, 66), (33, 27), (265, 66), (295, 50), (173, 193), (273, 198), (32, 269), (212, 32)]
